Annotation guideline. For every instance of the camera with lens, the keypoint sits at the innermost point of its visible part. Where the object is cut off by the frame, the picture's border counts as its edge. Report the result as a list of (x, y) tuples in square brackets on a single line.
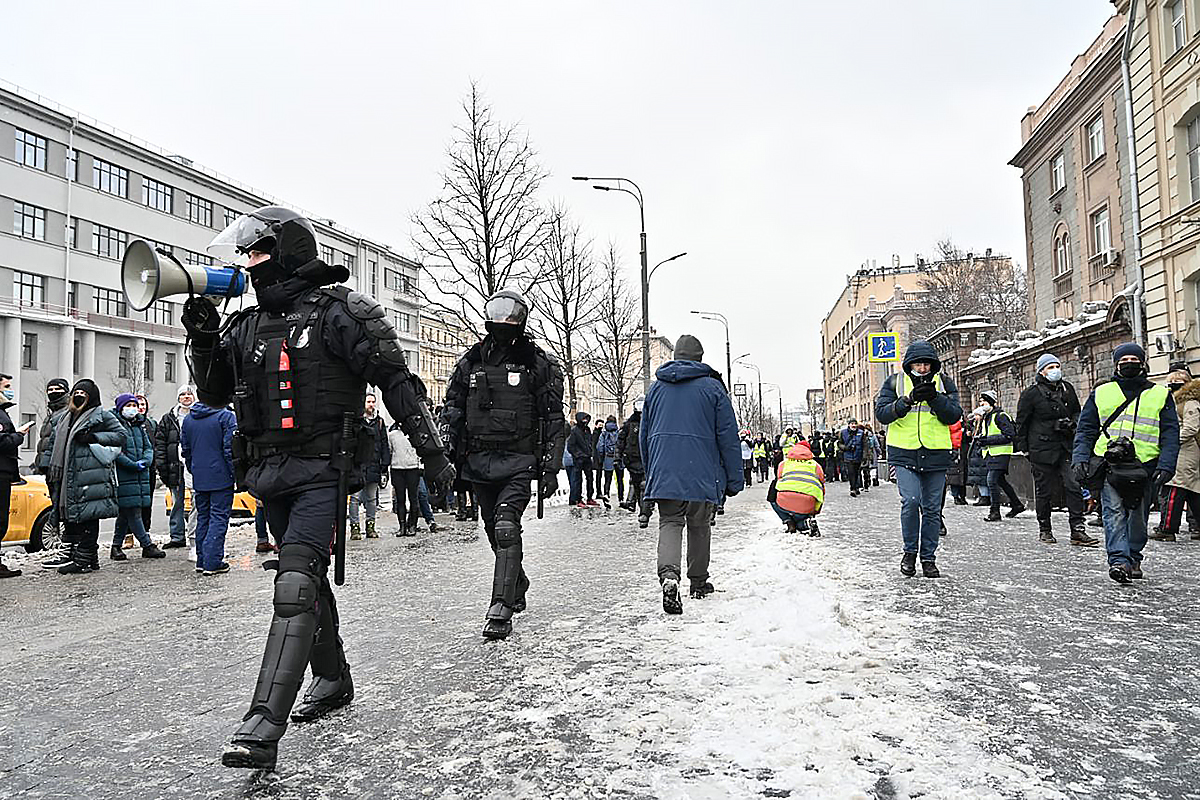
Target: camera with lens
[(1120, 451), (1064, 425)]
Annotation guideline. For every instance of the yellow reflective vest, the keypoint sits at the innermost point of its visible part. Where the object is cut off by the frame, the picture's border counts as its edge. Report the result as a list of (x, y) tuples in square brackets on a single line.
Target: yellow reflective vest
[(994, 430), (1139, 421), (801, 477), (920, 427), (760, 451)]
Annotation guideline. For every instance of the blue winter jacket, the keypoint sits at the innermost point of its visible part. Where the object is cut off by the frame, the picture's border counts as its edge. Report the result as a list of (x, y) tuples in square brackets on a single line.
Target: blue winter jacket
[(134, 488), (854, 443), (1088, 429), (889, 407), (689, 436), (207, 441)]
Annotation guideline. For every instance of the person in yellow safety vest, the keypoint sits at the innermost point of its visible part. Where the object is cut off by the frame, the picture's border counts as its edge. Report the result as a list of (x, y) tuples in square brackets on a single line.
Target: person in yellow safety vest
[(919, 404), (1130, 426), (997, 444), (761, 456), (798, 491)]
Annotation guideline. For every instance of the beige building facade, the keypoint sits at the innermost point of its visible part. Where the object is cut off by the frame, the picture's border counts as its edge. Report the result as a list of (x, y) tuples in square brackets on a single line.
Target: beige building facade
[(444, 339)]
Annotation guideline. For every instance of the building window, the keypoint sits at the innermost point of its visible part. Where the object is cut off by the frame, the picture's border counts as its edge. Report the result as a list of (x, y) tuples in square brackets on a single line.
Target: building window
[(29, 221), (1101, 236), (199, 259), (160, 313), (148, 366), (1062, 254), (169, 368), (1178, 22), (72, 241), (230, 217), (327, 254), (29, 347), (157, 195), (108, 242), (123, 356), (1058, 173), (110, 178), (29, 289), (964, 339), (199, 211), (73, 296), (110, 302), (351, 264), (30, 441), (31, 150), (1095, 138), (72, 168), (373, 277), (1193, 157), (75, 357)]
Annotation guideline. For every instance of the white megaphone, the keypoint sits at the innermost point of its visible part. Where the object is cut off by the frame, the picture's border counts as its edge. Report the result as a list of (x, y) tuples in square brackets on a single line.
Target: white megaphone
[(148, 274)]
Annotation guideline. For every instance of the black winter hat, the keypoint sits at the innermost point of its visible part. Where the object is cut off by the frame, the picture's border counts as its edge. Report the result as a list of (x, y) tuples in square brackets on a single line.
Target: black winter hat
[(688, 348)]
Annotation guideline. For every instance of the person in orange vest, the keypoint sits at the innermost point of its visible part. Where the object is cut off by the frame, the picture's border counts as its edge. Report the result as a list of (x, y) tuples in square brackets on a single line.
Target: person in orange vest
[(798, 491)]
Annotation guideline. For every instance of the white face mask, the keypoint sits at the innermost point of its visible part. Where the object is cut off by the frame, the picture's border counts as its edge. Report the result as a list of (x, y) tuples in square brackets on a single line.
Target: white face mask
[(982, 410), (1054, 374), (129, 412)]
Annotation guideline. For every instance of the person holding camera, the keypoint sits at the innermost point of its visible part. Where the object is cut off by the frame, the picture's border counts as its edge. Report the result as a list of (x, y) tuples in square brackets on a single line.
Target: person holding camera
[(1126, 446), (919, 405), (1046, 420)]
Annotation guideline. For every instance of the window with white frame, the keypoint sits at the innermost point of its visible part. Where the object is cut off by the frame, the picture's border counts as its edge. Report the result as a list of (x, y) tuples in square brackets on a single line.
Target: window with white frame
[(72, 168), (160, 313), (199, 210), (1058, 173), (1177, 19), (1101, 236), (1095, 138), (327, 254), (108, 242), (373, 277), (110, 302), (110, 178), (157, 195), (29, 351), (230, 217), (351, 264), (1062, 254), (31, 149), (29, 222), (1193, 157), (29, 289), (124, 355), (169, 368), (199, 259)]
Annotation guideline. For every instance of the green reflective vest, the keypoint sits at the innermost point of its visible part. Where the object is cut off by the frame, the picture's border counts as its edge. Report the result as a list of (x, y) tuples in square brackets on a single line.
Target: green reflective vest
[(920, 427), (994, 430), (801, 476), (1139, 420)]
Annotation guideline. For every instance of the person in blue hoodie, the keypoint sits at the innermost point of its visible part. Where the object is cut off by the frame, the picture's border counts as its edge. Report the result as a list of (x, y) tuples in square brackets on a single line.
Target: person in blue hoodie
[(693, 458), (919, 404), (206, 439)]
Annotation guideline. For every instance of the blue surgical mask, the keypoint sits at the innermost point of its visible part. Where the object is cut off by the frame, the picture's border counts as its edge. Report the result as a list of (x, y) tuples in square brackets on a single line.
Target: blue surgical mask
[(1054, 374), (7, 394)]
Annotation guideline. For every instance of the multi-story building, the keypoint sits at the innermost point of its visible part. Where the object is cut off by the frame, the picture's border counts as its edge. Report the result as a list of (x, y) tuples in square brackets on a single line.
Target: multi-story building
[(1074, 154), (1164, 65), (815, 403), (78, 191), (444, 339)]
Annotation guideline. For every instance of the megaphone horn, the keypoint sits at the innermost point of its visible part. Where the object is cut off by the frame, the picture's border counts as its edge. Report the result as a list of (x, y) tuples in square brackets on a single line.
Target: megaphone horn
[(148, 274)]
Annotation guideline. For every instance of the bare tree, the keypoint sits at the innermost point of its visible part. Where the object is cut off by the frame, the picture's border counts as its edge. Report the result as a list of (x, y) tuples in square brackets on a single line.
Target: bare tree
[(961, 283), (568, 299), (614, 358), (133, 380), (483, 231)]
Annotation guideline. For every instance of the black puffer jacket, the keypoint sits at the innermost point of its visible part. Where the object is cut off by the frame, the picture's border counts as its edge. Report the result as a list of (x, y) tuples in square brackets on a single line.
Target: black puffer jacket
[(579, 443), (166, 449), (1039, 433), (53, 412), (629, 452), (88, 487), (10, 444)]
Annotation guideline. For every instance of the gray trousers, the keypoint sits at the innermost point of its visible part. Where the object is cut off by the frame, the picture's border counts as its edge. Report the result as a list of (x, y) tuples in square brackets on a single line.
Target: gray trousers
[(673, 516)]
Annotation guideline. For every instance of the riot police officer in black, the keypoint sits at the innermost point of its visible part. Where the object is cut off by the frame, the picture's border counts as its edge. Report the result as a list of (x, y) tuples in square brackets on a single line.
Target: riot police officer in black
[(504, 421), (295, 366)]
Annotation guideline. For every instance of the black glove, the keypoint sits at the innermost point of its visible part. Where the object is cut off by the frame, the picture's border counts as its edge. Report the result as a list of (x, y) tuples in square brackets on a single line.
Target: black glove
[(903, 405), (923, 392), (731, 492), (1161, 476), (548, 485), (439, 473), (1081, 472), (200, 319)]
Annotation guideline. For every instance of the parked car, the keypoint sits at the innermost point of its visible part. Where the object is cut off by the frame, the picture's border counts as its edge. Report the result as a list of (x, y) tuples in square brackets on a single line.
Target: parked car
[(244, 504), (29, 516)]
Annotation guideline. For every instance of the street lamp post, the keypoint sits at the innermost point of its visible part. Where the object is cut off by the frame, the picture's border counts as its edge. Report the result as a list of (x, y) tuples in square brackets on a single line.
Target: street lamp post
[(636, 194), (728, 361), (779, 391), (741, 360)]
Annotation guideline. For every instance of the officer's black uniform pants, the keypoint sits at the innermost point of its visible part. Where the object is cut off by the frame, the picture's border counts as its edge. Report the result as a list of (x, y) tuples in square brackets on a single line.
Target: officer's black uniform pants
[(513, 493)]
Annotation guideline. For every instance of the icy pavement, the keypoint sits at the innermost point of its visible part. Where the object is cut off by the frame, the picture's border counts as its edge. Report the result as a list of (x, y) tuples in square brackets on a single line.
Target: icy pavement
[(815, 671)]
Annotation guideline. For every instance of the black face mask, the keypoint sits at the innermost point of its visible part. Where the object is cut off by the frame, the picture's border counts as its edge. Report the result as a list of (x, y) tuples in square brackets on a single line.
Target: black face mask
[(1130, 370), (1174, 387), (266, 273), (54, 397), (504, 332)]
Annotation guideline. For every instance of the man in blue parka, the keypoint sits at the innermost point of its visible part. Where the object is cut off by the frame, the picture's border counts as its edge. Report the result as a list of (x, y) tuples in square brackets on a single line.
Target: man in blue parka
[(689, 444)]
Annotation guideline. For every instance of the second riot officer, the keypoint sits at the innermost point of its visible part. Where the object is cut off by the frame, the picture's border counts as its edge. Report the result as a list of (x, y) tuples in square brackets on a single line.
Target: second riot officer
[(296, 367), (504, 419)]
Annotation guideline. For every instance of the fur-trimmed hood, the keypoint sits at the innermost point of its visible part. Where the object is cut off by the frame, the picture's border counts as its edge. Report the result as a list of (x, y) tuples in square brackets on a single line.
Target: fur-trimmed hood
[(1189, 391)]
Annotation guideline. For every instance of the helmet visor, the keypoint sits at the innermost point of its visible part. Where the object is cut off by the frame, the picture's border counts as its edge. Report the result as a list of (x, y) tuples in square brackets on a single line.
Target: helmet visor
[(505, 309), (234, 242)]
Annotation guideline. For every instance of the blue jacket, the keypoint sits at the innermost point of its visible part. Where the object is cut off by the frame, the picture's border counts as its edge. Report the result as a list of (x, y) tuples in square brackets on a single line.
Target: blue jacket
[(854, 444), (134, 489), (1088, 429), (207, 441), (889, 408), (689, 436)]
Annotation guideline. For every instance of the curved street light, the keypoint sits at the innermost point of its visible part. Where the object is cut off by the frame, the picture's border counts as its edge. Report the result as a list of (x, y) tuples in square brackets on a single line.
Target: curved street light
[(713, 315)]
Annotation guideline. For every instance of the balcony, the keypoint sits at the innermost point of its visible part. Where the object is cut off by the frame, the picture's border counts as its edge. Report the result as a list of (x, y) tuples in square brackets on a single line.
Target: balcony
[(1063, 285), (57, 314)]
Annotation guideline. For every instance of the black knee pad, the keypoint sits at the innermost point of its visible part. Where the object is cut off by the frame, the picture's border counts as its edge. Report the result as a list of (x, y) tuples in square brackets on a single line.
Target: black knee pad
[(298, 580), (508, 526)]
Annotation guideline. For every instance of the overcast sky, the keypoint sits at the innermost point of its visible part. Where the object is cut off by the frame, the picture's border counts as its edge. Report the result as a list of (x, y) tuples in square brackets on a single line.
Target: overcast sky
[(781, 144)]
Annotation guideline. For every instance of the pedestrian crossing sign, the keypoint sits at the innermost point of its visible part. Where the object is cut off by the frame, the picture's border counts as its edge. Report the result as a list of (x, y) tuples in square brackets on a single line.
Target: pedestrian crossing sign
[(884, 347)]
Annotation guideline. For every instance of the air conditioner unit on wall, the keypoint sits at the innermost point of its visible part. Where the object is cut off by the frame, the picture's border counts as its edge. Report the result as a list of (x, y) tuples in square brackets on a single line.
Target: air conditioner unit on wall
[(1112, 258)]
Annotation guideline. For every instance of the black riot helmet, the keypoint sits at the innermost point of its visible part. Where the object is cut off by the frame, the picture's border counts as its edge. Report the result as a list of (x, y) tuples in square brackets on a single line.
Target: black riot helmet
[(286, 236), (505, 314)]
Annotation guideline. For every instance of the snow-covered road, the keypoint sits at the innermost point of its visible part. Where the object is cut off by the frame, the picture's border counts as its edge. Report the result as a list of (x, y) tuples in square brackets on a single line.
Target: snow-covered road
[(815, 671)]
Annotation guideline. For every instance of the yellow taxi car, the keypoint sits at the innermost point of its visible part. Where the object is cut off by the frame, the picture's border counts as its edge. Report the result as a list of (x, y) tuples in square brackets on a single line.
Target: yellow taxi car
[(244, 504), (29, 522)]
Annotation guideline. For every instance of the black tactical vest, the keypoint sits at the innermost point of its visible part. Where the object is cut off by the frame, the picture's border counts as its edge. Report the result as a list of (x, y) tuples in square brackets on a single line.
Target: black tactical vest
[(295, 390), (500, 409)]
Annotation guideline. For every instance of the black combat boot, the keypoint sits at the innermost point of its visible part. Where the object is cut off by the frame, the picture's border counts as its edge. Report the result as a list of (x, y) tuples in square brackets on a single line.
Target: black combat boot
[(1047, 537), (929, 569), (1015, 510), (117, 554), (908, 565), (324, 695), (498, 624), (701, 591), (1080, 538), (993, 516), (153, 551)]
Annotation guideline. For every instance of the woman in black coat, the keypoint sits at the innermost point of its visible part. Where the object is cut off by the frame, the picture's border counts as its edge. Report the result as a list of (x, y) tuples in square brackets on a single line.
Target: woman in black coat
[(998, 430)]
